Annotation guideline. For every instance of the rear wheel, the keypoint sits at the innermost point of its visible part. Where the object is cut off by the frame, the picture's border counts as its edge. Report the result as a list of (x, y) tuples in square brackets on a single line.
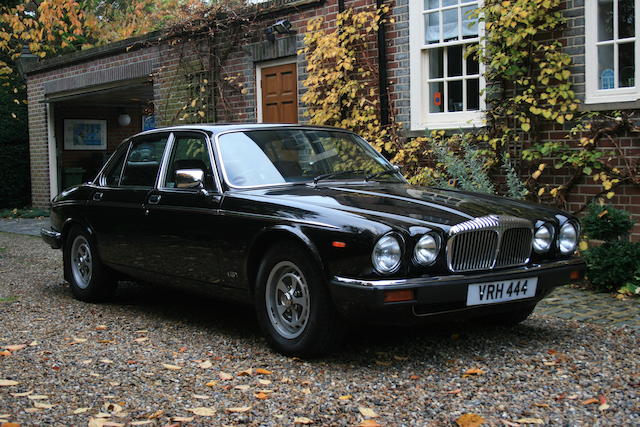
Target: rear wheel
[(293, 305), (90, 280)]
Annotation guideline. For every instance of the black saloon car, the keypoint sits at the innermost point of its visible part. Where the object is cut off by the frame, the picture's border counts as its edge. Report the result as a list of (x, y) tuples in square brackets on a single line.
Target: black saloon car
[(312, 226)]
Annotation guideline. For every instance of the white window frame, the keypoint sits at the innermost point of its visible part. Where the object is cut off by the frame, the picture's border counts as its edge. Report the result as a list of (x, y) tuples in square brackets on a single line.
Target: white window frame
[(593, 95), (267, 64), (421, 118)]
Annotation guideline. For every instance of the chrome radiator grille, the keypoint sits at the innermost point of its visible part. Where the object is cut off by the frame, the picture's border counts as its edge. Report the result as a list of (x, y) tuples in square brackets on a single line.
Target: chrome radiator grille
[(489, 242)]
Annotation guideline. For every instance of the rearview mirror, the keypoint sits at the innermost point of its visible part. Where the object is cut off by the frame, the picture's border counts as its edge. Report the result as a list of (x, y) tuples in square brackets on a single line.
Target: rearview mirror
[(189, 178)]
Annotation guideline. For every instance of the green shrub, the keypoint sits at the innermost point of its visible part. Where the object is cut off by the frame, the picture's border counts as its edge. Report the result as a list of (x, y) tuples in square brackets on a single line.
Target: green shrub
[(606, 223), (612, 264)]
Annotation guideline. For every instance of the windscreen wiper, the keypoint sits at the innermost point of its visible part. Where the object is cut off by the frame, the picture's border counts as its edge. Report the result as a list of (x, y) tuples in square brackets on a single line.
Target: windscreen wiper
[(338, 173)]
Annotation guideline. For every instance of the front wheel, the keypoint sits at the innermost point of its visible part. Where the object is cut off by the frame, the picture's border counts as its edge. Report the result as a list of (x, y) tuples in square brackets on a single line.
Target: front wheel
[(293, 305), (90, 280)]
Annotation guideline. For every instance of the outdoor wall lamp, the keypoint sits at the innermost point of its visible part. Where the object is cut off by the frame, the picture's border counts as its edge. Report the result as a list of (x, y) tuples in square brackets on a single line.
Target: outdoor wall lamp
[(283, 26), (124, 119)]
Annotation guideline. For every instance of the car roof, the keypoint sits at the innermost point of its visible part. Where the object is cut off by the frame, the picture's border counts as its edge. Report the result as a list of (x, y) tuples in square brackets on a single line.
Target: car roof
[(216, 128)]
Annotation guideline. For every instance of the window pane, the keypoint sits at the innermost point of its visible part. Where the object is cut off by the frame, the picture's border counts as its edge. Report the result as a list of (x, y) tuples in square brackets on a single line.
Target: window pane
[(435, 63), (605, 67), (454, 96), (432, 27), (627, 69), (436, 97), (431, 4), (469, 22), (472, 66), (450, 28), (112, 177), (454, 61), (473, 94), (605, 20), (143, 162), (626, 19), (189, 152), (449, 2)]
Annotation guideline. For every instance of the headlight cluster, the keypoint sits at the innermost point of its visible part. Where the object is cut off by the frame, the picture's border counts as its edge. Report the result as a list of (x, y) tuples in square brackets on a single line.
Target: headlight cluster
[(567, 240), (387, 253)]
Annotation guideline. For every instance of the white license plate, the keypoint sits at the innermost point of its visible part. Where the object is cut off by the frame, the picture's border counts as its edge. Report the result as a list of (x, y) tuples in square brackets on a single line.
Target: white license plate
[(501, 291)]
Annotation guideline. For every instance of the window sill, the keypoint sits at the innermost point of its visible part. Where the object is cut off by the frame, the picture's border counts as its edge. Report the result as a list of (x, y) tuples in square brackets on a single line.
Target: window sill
[(462, 120)]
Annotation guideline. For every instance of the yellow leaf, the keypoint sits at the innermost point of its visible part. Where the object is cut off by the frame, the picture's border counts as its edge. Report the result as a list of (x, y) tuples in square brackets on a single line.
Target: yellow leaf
[(203, 412), (536, 174), (263, 371), (302, 420), (171, 367), (473, 371), (470, 420), (610, 194), (345, 397), (211, 383), (541, 191), (584, 246)]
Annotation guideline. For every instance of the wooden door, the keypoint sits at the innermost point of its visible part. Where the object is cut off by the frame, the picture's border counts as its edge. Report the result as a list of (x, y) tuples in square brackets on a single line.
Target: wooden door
[(279, 94)]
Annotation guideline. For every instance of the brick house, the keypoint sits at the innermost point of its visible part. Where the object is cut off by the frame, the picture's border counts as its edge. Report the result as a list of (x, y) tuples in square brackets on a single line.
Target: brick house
[(420, 58)]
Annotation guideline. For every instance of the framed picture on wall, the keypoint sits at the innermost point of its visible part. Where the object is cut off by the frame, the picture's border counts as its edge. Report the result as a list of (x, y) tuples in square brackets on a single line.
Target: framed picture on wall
[(83, 134)]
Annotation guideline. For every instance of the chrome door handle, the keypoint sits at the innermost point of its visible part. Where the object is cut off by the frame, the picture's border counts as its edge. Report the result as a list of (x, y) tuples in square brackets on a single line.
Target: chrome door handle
[(97, 196), (154, 199)]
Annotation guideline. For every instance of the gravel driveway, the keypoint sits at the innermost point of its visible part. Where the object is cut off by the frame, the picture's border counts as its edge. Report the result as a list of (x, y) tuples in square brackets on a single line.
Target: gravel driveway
[(153, 355)]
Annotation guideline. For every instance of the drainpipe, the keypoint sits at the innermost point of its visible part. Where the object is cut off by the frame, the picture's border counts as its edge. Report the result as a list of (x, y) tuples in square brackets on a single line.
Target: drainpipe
[(340, 6), (382, 71)]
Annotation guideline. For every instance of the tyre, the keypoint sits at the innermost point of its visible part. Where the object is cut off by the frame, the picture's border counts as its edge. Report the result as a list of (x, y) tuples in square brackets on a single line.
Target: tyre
[(90, 280), (510, 318), (293, 305)]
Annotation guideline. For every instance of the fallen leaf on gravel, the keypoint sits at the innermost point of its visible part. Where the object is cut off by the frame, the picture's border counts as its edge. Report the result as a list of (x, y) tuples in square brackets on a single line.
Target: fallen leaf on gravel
[(101, 328), (203, 412), (369, 423), (38, 397), (263, 371), (211, 383), (470, 420), (239, 409), (102, 415), (5, 353), (141, 339), (171, 367), (15, 347), (182, 419), (81, 410), (541, 405), (572, 397), (8, 383), (590, 401), (383, 363), (530, 421), (141, 423), (246, 372), (345, 397), (264, 382), (41, 405), (224, 376), (26, 393), (286, 380), (77, 340), (205, 365), (414, 377), (456, 391), (367, 412), (107, 361), (201, 396), (306, 390), (33, 343), (5, 415), (112, 407), (156, 414), (510, 424), (401, 358), (182, 349), (472, 372), (32, 410), (242, 387), (7, 424), (302, 420), (603, 407), (261, 396)]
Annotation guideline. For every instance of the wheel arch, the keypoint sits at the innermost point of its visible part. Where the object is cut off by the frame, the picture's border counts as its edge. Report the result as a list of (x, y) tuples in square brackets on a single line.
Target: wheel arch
[(270, 236)]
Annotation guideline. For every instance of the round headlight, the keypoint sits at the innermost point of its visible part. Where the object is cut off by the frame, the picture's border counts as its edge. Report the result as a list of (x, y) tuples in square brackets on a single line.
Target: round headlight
[(568, 238), (387, 254), (426, 250), (543, 238)]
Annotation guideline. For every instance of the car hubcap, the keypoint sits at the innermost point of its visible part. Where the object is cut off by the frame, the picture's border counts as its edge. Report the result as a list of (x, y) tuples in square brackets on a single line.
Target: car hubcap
[(287, 299), (81, 262)]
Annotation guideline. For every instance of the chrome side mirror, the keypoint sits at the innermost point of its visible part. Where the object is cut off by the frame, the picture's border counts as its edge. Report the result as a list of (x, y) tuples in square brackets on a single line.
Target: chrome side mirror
[(189, 178)]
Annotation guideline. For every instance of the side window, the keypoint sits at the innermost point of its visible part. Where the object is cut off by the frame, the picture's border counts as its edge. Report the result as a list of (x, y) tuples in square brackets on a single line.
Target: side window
[(143, 161), (189, 152), (112, 176)]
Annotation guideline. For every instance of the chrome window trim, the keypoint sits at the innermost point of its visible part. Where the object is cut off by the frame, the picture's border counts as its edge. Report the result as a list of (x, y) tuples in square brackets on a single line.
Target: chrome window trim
[(100, 178), (284, 184), (496, 223)]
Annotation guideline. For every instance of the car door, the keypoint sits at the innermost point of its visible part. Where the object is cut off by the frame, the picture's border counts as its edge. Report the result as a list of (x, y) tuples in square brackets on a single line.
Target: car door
[(116, 207), (183, 223)]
